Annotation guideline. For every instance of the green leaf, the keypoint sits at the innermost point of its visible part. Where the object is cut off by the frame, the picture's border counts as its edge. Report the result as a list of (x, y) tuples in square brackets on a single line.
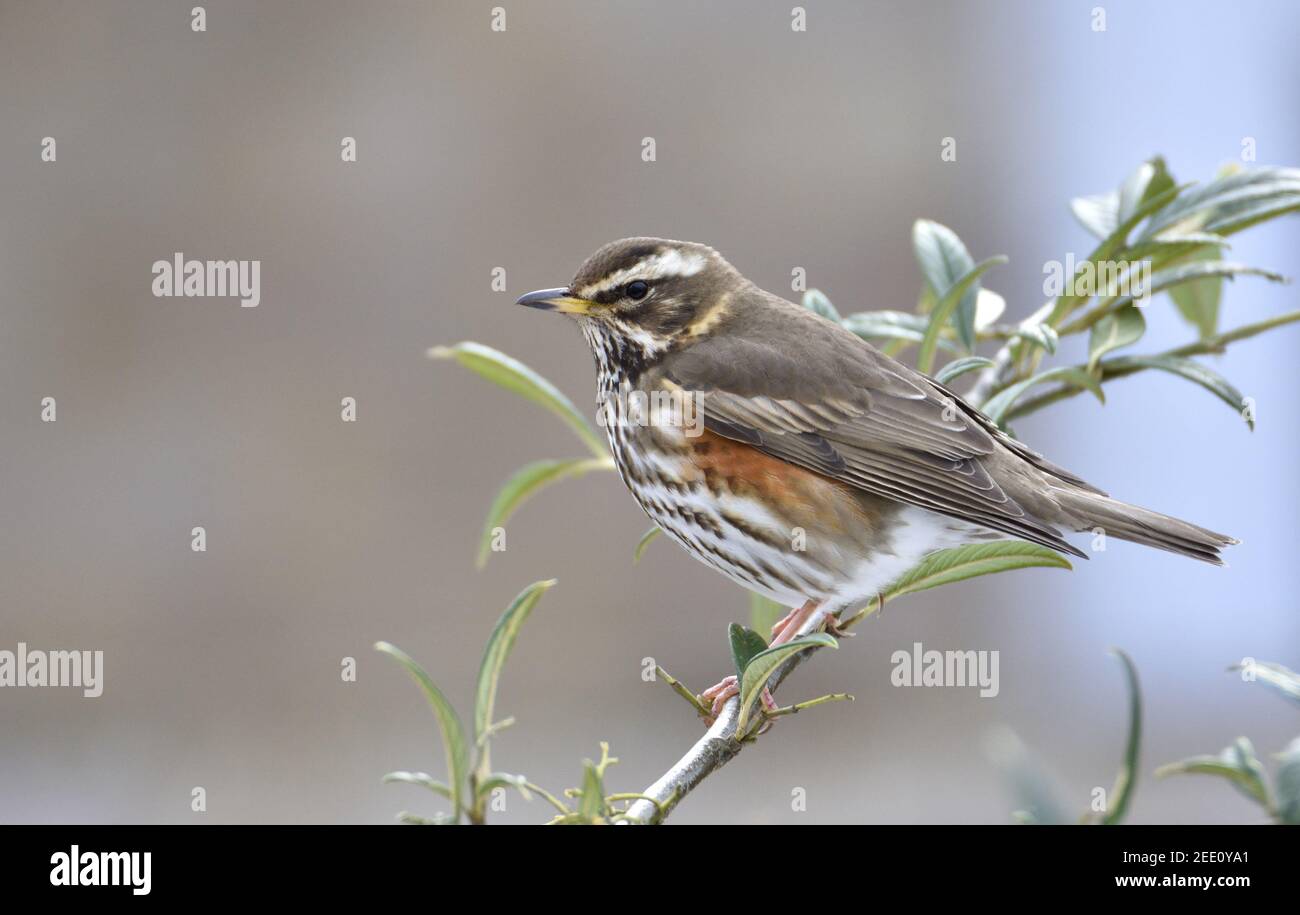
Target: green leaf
[(999, 404), (526, 482), (1103, 214), (453, 734), (1237, 763), (1123, 328), (1288, 784), (1099, 214), (644, 542), (1193, 271), (591, 803), (764, 664), (1122, 791), (959, 563), (763, 613), (1173, 244), (513, 375), (407, 818), (1243, 217), (498, 648), (1043, 336), (497, 780), (1219, 205), (960, 367), (423, 779), (1198, 301), (745, 643), (892, 325), (1282, 679), (1105, 251), (815, 301), (955, 298), (944, 261), (1148, 180), (1192, 370)]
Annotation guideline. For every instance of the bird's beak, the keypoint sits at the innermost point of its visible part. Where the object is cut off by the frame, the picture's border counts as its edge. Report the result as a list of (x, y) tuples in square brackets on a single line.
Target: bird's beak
[(556, 300)]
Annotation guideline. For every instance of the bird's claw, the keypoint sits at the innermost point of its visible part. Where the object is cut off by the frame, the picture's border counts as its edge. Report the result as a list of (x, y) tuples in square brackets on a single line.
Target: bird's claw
[(723, 691)]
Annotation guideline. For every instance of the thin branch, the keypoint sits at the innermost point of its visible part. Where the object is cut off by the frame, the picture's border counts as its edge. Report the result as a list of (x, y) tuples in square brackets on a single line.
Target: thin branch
[(811, 703), (1110, 371), (719, 745), (682, 690), (710, 753)]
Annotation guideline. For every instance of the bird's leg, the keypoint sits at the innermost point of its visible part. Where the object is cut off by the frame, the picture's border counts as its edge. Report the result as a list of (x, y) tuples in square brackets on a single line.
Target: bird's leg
[(789, 625), (785, 629)]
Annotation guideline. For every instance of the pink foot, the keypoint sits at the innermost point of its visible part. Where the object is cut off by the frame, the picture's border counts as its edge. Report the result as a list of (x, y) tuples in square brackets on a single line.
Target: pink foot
[(789, 625), (720, 693)]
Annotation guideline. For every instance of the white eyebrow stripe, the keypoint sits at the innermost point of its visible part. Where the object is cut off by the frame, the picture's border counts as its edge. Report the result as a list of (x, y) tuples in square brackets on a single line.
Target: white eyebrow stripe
[(670, 263)]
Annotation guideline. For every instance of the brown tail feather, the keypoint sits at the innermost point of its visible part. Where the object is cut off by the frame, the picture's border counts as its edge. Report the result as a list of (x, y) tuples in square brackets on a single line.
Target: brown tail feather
[(1088, 511)]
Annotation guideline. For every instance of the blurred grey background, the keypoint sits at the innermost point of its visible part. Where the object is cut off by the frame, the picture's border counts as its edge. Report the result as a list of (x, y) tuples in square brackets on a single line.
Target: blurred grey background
[(521, 149)]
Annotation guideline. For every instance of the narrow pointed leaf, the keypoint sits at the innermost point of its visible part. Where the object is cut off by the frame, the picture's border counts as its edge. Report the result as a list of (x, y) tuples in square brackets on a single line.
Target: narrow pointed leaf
[(1099, 214), (1227, 195), (527, 481), (499, 645), (944, 262), (997, 406), (815, 301), (407, 818), (646, 539), (1238, 218), (1193, 271), (899, 326), (1282, 679), (1043, 336), (1237, 763), (497, 780), (764, 664), (959, 367), (591, 804), (1123, 328), (959, 563), (1192, 370), (1198, 300), (513, 375), (1148, 180), (453, 733), (423, 779), (1122, 791), (953, 305), (1113, 243)]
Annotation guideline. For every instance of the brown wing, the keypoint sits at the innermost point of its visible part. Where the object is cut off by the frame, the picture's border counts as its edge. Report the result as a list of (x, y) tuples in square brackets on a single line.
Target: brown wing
[(825, 400)]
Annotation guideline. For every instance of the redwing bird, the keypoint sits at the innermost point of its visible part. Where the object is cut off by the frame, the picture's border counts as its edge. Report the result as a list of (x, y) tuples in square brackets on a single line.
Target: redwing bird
[(822, 469)]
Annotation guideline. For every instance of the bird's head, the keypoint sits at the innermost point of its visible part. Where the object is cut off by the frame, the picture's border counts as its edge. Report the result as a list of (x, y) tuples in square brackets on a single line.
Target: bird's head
[(645, 296)]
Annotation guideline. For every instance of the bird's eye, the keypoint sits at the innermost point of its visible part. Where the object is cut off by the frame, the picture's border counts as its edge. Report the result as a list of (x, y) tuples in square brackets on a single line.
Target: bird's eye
[(636, 290)]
